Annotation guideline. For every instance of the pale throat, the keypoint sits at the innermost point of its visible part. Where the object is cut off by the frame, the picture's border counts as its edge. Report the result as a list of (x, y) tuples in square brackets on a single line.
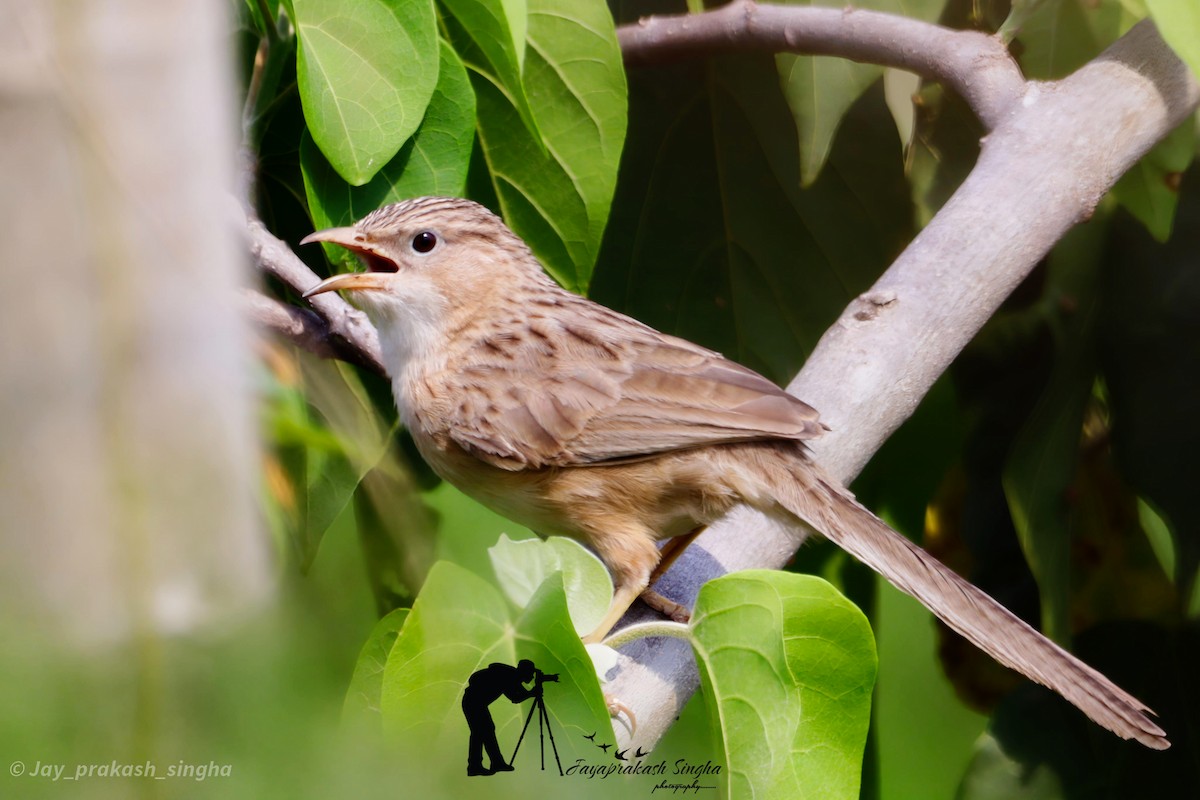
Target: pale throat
[(410, 319)]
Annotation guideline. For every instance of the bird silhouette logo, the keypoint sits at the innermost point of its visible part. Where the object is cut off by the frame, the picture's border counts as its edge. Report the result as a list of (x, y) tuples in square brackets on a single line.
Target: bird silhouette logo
[(619, 755)]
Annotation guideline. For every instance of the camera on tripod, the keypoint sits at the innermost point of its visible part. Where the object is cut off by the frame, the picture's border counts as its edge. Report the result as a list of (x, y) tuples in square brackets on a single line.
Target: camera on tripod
[(539, 708), (540, 677)]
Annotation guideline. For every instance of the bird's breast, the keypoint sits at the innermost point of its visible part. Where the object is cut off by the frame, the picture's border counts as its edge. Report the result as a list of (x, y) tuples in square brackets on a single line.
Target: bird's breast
[(519, 495)]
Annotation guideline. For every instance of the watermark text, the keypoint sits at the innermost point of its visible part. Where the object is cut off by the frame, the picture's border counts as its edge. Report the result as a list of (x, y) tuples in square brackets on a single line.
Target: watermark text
[(44, 770)]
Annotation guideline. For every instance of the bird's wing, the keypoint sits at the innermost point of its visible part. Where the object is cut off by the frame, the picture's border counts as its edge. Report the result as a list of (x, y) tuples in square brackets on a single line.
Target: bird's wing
[(592, 386)]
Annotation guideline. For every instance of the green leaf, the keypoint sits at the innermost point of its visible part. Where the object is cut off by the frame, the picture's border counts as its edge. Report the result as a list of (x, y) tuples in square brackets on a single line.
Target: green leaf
[(335, 390), (1042, 464), (433, 162), (787, 665), (256, 16), (1152, 371), (899, 89), (1158, 533), (921, 729), (475, 528), (366, 685), (1059, 38), (1150, 190), (556, 193), (366, 71), (460, 624), (1179, 23), (945, 149), (332, 479), (396, 530), (522, 566), (820, 89), (1019, 12), (498, 29)]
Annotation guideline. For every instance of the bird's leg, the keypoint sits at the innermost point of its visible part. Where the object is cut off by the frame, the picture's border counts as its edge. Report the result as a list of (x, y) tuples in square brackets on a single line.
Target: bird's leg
[(629, 553), (623, 596), (669, 608), (672, 550), (667, 555)]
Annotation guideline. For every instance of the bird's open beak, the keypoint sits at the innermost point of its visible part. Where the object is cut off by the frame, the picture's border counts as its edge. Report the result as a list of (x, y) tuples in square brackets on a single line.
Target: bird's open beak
[(348, 280), (351, 239), (346, 237)]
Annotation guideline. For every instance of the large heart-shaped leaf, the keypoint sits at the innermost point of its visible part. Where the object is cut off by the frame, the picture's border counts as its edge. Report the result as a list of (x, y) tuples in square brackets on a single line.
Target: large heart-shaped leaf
[(787, 665), (461, 624), (522, 566)]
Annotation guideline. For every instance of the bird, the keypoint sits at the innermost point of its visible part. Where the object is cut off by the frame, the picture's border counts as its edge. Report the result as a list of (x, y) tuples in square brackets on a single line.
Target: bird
[(573, 419), (591, 738), (604, 747), (620, 755), (640, 754)]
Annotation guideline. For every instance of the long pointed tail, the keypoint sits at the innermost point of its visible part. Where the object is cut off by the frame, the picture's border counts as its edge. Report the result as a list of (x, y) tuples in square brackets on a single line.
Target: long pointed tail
[(819, 501)]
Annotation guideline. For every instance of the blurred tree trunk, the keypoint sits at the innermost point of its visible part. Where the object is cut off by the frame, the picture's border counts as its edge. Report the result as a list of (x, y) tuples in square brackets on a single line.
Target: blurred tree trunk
[(127, 446)]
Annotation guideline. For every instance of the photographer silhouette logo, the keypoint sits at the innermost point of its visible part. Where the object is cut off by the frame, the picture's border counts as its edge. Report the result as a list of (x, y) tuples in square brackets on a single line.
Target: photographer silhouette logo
[(484, 688)]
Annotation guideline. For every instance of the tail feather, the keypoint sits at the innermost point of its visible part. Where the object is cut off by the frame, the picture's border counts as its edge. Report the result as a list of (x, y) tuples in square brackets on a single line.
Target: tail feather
[(820, 502)]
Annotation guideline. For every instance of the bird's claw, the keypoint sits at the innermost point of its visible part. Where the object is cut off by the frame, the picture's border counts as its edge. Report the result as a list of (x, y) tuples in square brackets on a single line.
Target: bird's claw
[(668, 608), (617, 709)]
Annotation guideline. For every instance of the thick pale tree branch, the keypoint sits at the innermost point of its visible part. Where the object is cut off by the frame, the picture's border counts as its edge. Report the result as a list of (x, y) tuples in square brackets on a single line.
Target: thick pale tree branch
[(974, 64), (1042, 169)]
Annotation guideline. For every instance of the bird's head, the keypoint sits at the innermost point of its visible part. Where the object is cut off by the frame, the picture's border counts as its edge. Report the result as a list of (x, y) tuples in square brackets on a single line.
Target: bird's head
[(433, 264), (429, 257)]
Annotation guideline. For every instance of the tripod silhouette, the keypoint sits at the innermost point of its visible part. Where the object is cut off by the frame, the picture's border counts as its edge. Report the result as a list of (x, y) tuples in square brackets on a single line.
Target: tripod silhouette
[(544, 729)]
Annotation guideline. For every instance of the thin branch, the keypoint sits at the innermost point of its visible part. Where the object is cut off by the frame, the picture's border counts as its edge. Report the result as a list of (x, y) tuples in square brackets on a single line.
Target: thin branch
[(350, 333), (304, 328), (974, 64)]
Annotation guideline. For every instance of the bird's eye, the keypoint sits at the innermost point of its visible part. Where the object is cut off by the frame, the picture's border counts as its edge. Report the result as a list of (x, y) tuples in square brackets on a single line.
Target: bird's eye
[(424, 241)]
